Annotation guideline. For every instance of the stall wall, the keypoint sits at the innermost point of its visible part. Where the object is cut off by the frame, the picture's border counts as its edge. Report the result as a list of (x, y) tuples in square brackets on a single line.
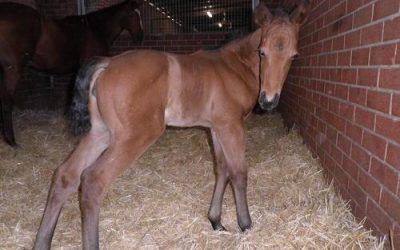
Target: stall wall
[(343, 94)]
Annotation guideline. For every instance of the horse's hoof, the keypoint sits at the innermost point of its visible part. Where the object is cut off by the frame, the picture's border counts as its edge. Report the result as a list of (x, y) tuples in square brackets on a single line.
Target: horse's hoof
[(217, 226), (12, 143), (220, 228), (245, 227)]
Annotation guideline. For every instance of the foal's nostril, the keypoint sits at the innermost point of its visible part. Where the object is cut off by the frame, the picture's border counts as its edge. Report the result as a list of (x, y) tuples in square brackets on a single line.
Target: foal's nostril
[(275, 101)]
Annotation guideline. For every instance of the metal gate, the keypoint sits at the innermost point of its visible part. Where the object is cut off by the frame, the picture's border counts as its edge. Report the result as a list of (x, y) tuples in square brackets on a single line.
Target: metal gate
[(187, 16), (183, 16)]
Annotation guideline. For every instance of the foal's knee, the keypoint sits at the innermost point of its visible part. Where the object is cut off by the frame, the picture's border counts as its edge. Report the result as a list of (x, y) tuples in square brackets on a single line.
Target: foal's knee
[(65, 182)]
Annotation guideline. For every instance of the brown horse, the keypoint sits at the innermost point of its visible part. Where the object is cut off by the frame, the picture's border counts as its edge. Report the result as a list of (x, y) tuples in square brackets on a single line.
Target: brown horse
[(134, 96), (55, 46)]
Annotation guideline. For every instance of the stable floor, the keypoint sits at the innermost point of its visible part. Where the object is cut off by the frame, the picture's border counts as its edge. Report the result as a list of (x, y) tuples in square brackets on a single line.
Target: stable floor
[(162, 203)]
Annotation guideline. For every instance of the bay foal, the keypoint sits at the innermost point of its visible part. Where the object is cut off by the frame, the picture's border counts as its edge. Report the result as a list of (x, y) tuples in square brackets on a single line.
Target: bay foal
[(132, 97)]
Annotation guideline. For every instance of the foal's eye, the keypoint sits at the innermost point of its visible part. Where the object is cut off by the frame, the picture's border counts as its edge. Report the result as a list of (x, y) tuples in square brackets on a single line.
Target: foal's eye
[(294, 57)]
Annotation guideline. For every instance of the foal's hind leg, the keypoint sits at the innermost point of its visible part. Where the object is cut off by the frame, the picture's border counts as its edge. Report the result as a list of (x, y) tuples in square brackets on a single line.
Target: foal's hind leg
[(124, 150), (232, 140), (66, 181), (214, 214)]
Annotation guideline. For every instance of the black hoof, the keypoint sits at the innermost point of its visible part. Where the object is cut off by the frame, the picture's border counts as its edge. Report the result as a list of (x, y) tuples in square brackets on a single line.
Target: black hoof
[(12, 143), (217, 226), (245, 226)]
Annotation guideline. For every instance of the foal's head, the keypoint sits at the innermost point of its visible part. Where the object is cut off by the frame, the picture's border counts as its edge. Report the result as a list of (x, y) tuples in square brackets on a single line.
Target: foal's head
[(277, 49), (131, 19)]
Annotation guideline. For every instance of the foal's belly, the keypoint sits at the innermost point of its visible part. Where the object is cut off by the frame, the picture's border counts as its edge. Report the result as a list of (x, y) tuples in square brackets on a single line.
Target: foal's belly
[(178, 118)]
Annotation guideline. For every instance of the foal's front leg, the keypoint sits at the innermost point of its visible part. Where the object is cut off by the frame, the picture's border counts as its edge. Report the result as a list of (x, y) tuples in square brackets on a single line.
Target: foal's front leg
[(221, 180), (232, 140)]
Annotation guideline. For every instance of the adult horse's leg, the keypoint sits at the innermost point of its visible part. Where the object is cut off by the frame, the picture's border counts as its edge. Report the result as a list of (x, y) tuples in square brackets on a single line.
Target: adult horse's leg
[(10, 77), (214, 214), (232, 140), (126, 148), (66, 181)]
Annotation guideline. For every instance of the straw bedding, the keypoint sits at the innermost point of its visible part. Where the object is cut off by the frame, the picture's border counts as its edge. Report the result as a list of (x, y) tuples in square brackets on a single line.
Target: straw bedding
[(162, 203)]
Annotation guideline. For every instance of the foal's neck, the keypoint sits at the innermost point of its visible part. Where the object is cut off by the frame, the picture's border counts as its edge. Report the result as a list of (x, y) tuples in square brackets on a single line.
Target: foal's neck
[(246, 50)]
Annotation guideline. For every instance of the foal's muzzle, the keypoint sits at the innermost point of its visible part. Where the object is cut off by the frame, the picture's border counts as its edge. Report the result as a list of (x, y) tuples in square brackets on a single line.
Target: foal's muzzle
[(268, 105)]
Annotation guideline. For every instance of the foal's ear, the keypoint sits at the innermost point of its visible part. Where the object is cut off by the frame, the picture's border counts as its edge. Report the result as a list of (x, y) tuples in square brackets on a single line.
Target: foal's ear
[(300, 14), (262, 15)]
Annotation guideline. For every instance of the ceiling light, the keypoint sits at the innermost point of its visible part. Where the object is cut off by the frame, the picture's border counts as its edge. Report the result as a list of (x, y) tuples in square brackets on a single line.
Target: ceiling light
[(220, 24), (209, 14)]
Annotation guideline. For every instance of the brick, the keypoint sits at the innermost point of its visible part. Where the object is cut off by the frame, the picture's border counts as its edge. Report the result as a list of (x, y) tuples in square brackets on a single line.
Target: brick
[(349, 76), (341, 92), (346, 111), (344, 58), (384, 174), (393, 156), (391, 30), (337, 155), (374, 144), (354, 132), (377, 216), (350, 167), (396, 105), (388, 128), (341, 177), (390, 78), (336, 121), (335, 13), (378, 100), (383, 55), (329, 163), (353, 5), (360, 156), (352, 39), (385, 8), (360, 57), (372, 34), (344, 144), (364, 118), (358, 95), (338, 43), (329, 89), (332, 59), (369, 185), (363, 16), (391, 205), (367, 77), (357, 194)]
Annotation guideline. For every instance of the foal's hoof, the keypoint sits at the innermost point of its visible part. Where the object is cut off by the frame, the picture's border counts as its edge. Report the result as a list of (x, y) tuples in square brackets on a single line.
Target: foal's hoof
[(12, 143), (218, 226), (245, 227)]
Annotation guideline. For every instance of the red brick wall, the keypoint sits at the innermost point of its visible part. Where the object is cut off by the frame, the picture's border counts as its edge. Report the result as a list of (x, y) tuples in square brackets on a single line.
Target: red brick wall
[(344, 95)]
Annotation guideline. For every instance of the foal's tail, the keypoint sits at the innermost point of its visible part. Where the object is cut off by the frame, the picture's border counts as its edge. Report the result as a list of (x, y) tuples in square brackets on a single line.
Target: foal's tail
[(79, 113)]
